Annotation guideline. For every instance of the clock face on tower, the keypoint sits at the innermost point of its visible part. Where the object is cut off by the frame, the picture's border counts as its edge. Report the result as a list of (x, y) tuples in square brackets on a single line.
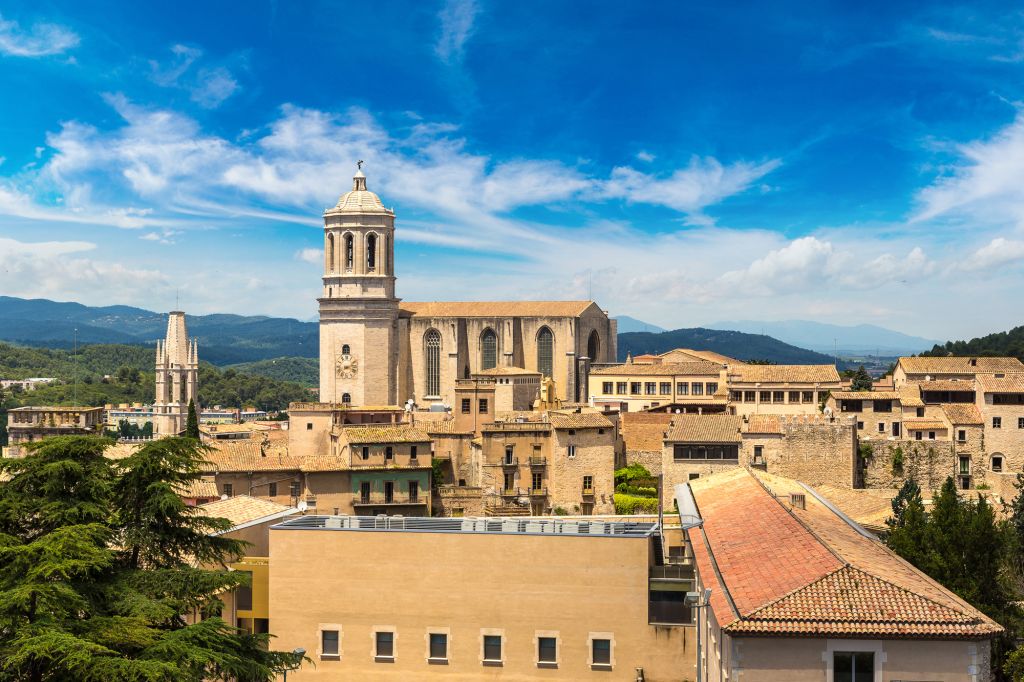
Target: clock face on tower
[(347, 366)]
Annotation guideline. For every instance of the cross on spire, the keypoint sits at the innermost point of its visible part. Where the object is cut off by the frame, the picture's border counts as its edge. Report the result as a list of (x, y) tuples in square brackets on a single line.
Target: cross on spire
[(359, 164)]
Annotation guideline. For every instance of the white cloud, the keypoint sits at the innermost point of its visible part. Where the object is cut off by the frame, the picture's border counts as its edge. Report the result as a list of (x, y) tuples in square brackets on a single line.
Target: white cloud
[(312, 256), (208, 86), (985, 184), (213, 86), (456, 17), (997, 253), (646, 157), (40, 40)]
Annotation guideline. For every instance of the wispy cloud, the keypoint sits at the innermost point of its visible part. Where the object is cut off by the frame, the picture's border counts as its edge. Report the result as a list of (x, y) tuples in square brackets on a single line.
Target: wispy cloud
[(208, 86), (39, 40), (997, 253), (312, 256), (457, 18)]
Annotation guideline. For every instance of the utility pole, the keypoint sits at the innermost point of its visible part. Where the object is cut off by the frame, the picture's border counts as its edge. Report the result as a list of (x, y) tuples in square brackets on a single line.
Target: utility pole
[(75, 394)]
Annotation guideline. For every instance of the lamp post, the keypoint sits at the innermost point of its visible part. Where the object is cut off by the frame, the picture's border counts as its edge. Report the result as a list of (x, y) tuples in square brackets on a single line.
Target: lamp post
[(299, 653), (693, 600)]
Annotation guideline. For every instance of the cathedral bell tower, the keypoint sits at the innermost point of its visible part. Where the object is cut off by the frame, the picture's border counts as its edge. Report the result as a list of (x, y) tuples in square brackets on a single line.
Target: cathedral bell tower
[(358, 308)]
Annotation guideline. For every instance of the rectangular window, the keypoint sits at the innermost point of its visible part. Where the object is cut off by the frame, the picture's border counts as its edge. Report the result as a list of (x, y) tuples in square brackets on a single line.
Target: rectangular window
[(547, 650), (571, 451), (412, 452), (438, 646), (620, 387), (749, 396), (961, 436), (385, 645), (650, 388), (895, 429), (606, 387), (510, 481), (881, 427), (766, 396), (853, 666), (736, 396), (931, 435), (997, 422), (997, 464), (758, 454), (309, 426), (588, 484), (778, 396), (860, 426), (229, 489), (272, 489), (364, 492), (414, 491), (389, 453), (883, 406), (712, 387), (467, 406), (918, 435), (602, 651), (794, 396), (295, 490), (492, 648), (696, 389), (389, 491), (243, 594), (634, 388), (329, 643), (682, 388), (665, 388), (920, 412), (965, 465), (366, 452), (808, 396), (483, 405), (537, 480), (510, 454)]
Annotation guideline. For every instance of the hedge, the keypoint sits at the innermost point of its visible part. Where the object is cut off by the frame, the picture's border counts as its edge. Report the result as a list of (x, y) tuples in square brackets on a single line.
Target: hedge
[(631, 504)]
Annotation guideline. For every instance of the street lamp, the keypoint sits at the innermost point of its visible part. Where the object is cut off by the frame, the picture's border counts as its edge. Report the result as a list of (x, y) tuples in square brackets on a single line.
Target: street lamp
[(299, 653), (693, 600)]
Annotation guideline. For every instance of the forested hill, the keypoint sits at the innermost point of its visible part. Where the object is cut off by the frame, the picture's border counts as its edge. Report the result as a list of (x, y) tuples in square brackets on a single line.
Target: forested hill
[(1009, 343), (734, 344)]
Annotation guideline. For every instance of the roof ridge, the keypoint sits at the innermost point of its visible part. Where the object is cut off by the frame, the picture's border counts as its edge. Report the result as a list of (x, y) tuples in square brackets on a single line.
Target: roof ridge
[(803, 525)]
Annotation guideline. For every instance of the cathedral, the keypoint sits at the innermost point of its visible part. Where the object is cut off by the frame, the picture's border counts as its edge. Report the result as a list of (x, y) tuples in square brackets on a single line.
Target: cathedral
[(177, 377), (376, 349)]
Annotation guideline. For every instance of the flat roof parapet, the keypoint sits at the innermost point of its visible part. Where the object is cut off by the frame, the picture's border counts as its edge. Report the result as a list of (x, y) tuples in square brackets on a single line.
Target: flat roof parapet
[(519, 525)]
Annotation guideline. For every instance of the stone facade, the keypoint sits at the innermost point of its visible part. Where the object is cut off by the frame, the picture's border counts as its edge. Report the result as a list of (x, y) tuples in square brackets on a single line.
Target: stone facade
[(177, 378), (30, 424)]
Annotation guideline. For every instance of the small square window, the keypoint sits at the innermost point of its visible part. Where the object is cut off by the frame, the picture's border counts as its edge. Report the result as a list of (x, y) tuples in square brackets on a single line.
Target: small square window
[(438, 646), (931, 435), (606, 387), (492, 648), (602, 652), (547, 650), (571, 451), (329, 643), (309, 426), (997, 422), (483, 405), (860, 426), (385, 644), (229, 489), (466, 406), (881, 427)]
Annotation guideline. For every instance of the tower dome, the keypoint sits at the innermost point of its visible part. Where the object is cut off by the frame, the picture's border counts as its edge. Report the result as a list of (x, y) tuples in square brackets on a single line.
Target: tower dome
[(360, 199)]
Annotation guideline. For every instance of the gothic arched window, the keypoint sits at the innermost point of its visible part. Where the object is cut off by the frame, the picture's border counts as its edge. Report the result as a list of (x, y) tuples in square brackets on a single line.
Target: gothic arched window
[(594, 346), (488, 349), (545, 351), (345, 350), (371, 252), (387, 255), (349, 252), (346, 399), (330, 253), (432, 343)]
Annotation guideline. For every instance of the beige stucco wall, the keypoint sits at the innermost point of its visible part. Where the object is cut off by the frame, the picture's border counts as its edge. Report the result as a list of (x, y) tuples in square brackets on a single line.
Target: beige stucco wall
[(572, 586)]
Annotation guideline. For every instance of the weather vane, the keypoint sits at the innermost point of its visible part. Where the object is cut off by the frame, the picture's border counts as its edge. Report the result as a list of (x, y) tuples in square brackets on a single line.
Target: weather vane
[(359, 164)]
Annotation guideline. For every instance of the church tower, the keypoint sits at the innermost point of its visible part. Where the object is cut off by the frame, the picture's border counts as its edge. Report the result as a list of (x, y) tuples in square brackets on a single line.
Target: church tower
[(177, 377), (358, 308)]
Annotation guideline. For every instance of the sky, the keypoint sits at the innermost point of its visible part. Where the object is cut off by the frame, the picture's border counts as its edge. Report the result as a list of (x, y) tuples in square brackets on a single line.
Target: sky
[(681, 163)]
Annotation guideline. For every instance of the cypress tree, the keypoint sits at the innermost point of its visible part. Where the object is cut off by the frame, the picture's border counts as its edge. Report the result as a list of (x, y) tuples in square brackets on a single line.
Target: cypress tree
[(192, 425)]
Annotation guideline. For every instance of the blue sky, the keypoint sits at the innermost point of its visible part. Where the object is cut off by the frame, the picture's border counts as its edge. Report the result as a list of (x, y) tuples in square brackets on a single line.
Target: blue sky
[(683, 162)]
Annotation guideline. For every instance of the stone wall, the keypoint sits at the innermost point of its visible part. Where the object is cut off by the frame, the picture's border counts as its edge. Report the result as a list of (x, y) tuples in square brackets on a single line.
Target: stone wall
[(595, 457), (450, 500), (889, 463)]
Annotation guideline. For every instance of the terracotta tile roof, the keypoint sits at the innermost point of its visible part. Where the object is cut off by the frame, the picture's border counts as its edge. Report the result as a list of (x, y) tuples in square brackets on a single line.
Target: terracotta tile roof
[(869, 507), (242, 509), (246, 455), (441, 427), (959, 365), (506, 371), (784, 374), (948, 385), (121, 450), (644, 431), (867, 395), (379, 433), (764, 423), (924, 425), (662, 369), (705, 428), (808, 572), (323, 463), (578, 420), (963, 413), (910, 396), (203, 488), (1008, 383), (496, 308), (709, 355)]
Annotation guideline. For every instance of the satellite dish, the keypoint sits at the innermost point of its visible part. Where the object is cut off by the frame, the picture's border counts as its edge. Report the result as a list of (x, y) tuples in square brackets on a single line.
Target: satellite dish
[(302, 506)]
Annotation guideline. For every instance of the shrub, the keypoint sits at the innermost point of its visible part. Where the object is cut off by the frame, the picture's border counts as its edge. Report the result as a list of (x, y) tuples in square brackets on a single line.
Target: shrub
[(633, 504), (560, 511), (897, 462)]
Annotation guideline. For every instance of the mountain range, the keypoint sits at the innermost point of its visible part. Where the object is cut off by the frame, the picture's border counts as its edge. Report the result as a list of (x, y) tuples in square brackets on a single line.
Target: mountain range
[(834, 339), (735, 344)]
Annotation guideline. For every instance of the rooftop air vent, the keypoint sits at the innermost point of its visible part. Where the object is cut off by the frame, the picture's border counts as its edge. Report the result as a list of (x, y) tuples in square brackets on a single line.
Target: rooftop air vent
[(798, 501)]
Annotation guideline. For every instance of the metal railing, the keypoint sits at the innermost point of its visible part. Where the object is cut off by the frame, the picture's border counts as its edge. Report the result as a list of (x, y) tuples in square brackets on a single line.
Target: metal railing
[(537, 492), (588, 492), (523, 525), (509, 461), (538, 461)]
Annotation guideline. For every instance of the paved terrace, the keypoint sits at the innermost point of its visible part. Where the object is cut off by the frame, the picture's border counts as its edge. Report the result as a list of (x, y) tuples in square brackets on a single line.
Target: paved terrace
[(522, 525)]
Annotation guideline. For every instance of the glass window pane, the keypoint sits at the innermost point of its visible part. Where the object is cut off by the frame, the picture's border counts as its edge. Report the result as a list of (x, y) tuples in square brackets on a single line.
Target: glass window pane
[(433, 348), (329, 642), (489, 345), (438, 645), (842, 666), (546, 649), (602, 651), (863, 667), (545, 351), (385, 644), (492, 647)]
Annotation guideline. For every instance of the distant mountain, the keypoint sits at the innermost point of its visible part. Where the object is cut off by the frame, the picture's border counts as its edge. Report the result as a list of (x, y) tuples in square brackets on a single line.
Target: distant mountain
[(305, 371), (732, 343), (631, 324), (223, 339), (825, 338), (1009, 343)]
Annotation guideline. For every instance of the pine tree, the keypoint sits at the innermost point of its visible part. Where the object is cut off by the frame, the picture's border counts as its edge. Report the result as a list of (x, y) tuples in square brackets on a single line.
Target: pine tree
[(861, 380), (908, 524), (192, 425), (98, 570)]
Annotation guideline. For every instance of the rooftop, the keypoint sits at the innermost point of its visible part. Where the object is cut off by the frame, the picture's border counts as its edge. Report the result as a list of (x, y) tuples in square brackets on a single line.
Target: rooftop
[(496, 308), (695, 368), (963, 385), (764, 423), (778, 569), (521, 525), (506, 371), (383, 433), (963, 413), (644, 431), (784, 374), (705, 428), (959, 365), (1007, 383), (242, 509)]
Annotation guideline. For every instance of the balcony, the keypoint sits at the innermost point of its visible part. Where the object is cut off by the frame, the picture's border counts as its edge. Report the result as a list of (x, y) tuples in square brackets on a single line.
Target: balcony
[(537, 492), (510, 492), (538, 461), (588, 492), (510, 461), (383, 500)]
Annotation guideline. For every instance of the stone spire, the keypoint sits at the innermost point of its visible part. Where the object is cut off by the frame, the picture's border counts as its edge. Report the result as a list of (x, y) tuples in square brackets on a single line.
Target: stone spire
[(177, 377)]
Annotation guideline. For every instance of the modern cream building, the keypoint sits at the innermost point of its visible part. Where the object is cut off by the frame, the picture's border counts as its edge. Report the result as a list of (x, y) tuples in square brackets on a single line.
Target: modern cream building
[(378, 350)]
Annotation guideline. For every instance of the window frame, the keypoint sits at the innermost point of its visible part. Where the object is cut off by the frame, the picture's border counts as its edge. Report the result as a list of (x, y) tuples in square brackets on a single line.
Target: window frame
[(488, 634), (438, 632), (592, 639), (339, 635), (538, 651), (376, 639)]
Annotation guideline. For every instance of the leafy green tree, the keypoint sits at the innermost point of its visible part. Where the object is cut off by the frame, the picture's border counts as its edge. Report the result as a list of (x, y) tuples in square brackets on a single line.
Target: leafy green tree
[(861, 380), (908, 524), (98, 571), (192, 423)]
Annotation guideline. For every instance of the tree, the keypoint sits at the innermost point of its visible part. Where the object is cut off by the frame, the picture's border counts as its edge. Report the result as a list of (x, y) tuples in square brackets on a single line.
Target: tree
[(192, 425), (908, 524), (861, 380), (98, 570)]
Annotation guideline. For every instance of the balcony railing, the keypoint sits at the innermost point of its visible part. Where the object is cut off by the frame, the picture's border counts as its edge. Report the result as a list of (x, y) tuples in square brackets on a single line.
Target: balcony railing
[(538, 492), (538, 461), (379, 499), (510, 461), (588, 492), (510, 492)]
